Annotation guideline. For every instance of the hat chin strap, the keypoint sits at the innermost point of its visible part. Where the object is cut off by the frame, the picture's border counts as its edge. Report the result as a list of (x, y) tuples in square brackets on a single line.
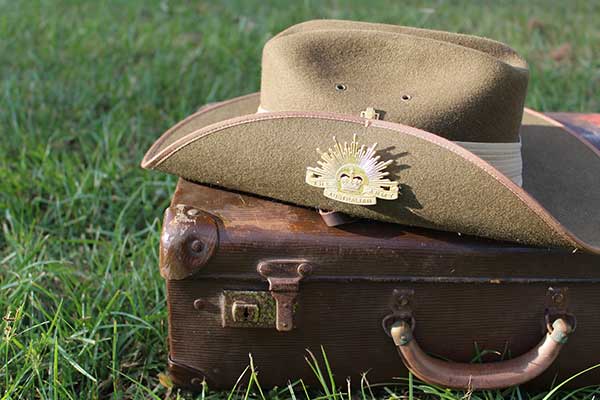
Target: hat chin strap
[(505, 157)]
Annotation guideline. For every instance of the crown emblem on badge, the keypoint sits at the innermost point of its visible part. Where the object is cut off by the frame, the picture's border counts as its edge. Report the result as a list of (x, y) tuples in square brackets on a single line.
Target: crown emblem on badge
[(352, 173)]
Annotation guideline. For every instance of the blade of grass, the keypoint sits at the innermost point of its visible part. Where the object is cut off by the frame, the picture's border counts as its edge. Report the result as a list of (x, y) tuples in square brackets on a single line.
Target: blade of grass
[(114, 361), (237, 383), (314, 366), (328, 370), (411, 388), (553, 391), (139, 385)]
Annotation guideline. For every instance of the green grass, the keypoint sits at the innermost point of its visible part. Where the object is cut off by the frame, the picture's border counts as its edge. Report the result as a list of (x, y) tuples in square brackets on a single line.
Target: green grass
[(85, 89)]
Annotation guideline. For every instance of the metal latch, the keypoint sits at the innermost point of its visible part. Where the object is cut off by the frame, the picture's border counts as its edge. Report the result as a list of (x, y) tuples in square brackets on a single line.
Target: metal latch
[(284, 278), (266, 309)]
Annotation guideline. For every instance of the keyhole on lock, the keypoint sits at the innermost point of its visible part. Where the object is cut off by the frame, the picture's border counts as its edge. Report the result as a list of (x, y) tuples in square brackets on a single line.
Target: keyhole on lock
[(245, 312)]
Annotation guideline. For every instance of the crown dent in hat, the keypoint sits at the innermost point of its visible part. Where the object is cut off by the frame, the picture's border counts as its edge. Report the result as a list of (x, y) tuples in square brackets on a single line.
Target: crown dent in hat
[(463, 88)]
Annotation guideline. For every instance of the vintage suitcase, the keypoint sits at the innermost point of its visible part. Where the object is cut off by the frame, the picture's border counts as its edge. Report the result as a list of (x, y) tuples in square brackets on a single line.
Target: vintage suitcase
[(247, 275)]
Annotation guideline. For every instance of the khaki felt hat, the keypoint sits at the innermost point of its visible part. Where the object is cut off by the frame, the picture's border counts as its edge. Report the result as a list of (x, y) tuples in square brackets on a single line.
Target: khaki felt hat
[(416, 127)]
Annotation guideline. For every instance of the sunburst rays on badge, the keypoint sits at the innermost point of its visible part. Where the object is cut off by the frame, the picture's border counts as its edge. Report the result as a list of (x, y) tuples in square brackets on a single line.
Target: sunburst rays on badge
[(352, 173)]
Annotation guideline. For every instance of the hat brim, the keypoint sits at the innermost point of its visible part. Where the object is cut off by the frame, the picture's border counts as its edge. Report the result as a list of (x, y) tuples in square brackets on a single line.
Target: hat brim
[(442, 185)]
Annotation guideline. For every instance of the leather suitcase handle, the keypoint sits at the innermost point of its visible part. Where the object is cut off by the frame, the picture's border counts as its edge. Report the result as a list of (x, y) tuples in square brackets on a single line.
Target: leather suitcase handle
[(493, 375)]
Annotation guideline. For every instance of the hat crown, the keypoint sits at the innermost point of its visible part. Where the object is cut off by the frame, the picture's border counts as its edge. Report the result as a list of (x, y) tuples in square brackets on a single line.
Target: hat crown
[(461, 87)]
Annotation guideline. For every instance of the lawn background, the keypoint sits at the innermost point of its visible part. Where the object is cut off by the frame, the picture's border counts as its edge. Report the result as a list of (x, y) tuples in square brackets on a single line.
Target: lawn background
[(85, 89)]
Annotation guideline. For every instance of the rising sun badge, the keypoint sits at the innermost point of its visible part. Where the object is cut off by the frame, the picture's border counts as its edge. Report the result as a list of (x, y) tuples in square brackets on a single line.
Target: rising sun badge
[(352, 173)]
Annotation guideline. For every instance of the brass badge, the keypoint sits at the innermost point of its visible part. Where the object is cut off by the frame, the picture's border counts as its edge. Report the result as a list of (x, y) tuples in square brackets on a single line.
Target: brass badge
[(352, 173)]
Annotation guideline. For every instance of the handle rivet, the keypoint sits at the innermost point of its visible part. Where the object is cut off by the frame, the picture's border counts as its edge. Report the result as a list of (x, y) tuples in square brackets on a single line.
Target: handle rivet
[(199, 304), (197, 246), (558, 298), (404, 338), (196, 381), (304, 269)]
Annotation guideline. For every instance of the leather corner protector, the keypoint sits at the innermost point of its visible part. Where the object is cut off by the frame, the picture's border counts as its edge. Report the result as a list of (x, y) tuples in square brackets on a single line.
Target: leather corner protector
[(187, 377), (189, 239)]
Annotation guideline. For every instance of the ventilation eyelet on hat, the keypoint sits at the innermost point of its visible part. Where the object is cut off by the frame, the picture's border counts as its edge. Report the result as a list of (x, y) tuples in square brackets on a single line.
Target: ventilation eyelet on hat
[(406, 97), (340, 87)]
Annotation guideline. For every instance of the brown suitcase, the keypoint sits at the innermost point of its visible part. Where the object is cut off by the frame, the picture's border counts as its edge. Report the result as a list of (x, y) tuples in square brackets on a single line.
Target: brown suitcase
[(250, 276)]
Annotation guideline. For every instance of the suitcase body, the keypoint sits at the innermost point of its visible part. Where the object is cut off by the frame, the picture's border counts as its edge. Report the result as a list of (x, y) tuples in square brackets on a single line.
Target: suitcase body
[(247, 276)]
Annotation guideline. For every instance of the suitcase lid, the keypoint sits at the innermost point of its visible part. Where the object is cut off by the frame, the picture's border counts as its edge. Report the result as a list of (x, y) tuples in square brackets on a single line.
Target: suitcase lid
[(236, 232)]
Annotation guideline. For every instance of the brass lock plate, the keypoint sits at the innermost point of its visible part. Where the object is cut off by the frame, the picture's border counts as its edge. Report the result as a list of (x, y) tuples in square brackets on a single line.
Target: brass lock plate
[(248, 309)]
